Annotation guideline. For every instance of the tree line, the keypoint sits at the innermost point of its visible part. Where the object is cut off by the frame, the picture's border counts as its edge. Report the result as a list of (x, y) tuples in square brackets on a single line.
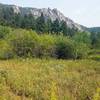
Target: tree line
[(27, 43)]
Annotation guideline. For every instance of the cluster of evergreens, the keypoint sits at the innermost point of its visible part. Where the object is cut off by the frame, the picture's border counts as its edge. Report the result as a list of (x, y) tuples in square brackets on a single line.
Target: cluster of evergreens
[(40, 24)]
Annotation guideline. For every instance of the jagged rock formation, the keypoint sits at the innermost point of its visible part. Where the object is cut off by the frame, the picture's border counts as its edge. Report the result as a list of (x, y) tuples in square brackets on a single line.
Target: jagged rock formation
[(53, 14)]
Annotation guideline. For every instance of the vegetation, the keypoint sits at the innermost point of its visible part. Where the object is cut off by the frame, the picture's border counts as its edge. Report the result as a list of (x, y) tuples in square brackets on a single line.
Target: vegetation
[(40, 25), (49, 76), (95, 37), (27, 43), (35, 79), (94, 29)]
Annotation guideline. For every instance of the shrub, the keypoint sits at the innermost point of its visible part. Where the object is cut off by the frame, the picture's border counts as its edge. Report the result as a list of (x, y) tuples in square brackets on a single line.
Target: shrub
[(5, 50), (82, 44), (46, 46), (65, 48), (82, 50), (23, 42), (4, 31), (95, 38), (28, 43), (83, 37)]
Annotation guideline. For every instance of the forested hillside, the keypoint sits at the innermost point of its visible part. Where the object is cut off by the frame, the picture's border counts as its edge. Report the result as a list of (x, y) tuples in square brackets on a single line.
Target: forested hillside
[(9, 16)]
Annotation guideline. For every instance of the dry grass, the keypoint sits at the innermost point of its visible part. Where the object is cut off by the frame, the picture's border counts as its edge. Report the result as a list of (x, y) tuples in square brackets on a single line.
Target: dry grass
[(35, 79)]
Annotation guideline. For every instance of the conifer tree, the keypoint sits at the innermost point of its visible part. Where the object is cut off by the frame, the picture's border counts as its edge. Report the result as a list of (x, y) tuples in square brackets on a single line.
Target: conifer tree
[(40, 24), (56, 27)]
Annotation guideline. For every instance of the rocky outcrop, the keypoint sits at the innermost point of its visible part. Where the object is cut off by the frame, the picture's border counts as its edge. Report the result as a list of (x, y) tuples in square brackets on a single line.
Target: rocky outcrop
[(53, 14)]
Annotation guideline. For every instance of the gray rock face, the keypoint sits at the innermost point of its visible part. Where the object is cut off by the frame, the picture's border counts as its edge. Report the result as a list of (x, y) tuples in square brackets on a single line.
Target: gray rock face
[(53, 14), (16, 9)]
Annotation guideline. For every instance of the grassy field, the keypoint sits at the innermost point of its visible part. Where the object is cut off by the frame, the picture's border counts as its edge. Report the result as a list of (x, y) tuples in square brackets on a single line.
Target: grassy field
[(35, 79)]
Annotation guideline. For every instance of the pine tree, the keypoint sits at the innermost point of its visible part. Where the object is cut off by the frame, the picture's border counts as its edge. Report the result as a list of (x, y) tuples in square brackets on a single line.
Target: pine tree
[(28, 22), (56, 27), (48, 26), (64, 28), (17, 20), (40, 24)]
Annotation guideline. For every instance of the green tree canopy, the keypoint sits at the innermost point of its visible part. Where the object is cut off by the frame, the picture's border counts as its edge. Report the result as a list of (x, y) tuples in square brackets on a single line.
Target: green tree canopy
[(56, 26), (40, 24)]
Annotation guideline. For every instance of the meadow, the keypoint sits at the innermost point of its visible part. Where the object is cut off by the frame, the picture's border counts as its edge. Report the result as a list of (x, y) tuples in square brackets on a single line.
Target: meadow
[(45, 66), (49, 79)]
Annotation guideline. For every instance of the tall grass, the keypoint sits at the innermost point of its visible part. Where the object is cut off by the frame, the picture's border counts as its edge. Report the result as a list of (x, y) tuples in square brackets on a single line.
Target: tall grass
[(35, 79)]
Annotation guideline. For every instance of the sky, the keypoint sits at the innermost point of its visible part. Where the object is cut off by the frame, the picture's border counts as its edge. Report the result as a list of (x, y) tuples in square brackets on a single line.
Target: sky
[(84, 12)]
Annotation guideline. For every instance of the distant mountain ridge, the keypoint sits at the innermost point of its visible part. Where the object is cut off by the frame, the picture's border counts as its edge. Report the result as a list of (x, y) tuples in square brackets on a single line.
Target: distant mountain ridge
[(94, 29), (53, 14)]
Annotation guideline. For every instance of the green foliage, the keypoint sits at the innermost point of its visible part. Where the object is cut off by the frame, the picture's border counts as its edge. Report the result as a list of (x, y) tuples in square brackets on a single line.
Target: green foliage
[(95, 37), (64, 28), (56, 26), (18, 21), (82, 50), (49, 26), (23, 42), (29, 44), (26, 43), (46, 46), (4, 31), (82, 37), (82, 44), (6, 51), (40, 24), (28, 22), (65, 48)]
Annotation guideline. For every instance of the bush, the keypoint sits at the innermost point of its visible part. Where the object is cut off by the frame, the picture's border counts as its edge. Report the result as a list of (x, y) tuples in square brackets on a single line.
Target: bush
[(29, 44), (4, 31), (65, 48), (5, 50), (23, 42), (45, 46), (95, 38), (82, 50), (83, 37), (82, 44)]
